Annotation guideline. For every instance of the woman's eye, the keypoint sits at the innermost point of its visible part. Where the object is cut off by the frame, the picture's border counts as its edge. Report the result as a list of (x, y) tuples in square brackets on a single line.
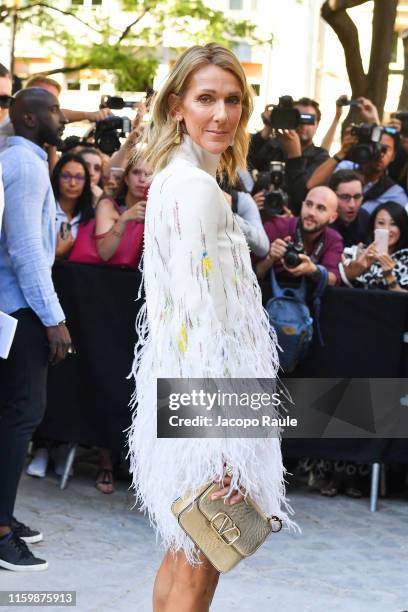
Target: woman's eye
[(204, 99), (234, 100)]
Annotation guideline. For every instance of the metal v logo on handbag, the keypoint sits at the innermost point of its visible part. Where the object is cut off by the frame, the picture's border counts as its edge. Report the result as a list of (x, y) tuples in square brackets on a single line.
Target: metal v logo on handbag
[(223, 525), (224, 536)]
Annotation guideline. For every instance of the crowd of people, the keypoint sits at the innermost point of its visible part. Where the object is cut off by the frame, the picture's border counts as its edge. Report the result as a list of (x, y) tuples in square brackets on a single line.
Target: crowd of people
[(84, 206)]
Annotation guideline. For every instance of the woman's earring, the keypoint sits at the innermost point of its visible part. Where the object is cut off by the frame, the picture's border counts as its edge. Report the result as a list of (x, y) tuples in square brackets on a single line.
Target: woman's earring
[(177, 138)]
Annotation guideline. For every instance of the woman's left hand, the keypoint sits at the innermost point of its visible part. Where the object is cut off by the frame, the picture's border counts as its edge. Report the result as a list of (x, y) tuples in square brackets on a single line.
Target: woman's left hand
[(235, 498), (386, 262)]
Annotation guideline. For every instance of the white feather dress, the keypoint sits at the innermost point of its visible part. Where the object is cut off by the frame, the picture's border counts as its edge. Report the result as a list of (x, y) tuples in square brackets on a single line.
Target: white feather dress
[(202, 317)]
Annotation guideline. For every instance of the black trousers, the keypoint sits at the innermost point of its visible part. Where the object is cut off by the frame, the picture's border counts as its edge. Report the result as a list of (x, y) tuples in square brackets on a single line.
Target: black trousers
[(23, 379)]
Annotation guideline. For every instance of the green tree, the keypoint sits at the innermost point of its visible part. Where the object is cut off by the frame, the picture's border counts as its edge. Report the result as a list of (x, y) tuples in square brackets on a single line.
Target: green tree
[(130, 54)]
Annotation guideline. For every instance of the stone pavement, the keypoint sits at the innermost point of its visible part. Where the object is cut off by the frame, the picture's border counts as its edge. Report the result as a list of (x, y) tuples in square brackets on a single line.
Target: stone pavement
[(346, 560)]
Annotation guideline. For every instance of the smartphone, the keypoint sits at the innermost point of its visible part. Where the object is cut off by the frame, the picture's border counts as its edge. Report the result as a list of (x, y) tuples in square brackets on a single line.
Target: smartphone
[(381, 241), (65, 229)]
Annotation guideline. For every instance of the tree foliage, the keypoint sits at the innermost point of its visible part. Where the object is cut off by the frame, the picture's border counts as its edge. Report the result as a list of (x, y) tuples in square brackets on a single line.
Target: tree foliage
[(131, 53)]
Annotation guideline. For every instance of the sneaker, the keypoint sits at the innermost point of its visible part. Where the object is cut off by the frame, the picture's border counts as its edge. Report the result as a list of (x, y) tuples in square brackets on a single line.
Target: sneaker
[(30, 536), (60, 459), (39, 463), (16, 556)]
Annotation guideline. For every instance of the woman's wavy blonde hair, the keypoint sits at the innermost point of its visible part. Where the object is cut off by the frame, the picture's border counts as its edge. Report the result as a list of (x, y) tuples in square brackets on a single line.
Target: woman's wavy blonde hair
[(160, 133)]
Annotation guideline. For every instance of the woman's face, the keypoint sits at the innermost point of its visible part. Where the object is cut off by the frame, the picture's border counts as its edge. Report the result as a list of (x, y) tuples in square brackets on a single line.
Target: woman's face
[(211, 108), (72, 180), (137, 180), (94, 165), (384, 220)]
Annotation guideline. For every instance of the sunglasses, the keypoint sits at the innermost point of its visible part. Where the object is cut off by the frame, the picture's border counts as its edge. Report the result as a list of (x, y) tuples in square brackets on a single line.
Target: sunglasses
[(67, 176), (347, 197), (5, 101)]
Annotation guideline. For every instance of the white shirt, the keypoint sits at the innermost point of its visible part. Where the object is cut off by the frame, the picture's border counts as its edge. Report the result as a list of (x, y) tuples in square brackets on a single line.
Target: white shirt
[(61, 217)]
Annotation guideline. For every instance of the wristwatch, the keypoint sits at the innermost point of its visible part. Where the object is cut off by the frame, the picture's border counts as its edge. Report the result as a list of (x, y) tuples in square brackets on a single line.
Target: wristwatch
[(392, 284)]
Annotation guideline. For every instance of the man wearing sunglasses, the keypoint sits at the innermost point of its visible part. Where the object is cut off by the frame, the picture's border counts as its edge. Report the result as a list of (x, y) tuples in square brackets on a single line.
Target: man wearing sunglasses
[(352, 221)]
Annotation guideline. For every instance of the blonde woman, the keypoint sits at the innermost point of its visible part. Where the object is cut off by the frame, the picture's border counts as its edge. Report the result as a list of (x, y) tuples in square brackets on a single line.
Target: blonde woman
[(202, 316)]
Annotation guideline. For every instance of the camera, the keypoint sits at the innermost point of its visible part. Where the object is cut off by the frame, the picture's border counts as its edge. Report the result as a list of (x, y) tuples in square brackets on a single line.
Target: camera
[(403, 117), (368, 148), (291, 256), (344, 101), (276, 199), (117, 103), (106, 133), (285, 117)]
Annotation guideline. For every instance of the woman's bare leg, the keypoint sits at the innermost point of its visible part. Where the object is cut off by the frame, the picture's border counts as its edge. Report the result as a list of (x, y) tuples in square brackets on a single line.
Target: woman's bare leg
[(192, 588), (163, 583)]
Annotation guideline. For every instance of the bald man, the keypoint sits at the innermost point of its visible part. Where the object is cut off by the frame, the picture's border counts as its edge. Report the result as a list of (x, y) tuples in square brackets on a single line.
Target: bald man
[(27, 251), (318, 243)]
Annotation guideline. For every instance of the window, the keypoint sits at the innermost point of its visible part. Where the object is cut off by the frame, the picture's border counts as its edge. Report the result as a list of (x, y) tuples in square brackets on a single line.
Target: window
[(236, 5), (94, 86), (77, 2), (96, 2), (73, 85), (256, 88)]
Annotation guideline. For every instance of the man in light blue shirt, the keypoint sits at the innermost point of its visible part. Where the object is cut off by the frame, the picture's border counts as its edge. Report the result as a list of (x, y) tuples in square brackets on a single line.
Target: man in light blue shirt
[(27, 247)]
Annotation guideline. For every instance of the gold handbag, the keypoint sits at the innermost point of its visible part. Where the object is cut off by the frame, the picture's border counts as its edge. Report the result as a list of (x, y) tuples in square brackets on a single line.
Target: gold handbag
[(224, 534)]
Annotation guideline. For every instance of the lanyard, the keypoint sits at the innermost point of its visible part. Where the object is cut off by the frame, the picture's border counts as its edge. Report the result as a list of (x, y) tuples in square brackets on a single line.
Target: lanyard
[(317, 251)]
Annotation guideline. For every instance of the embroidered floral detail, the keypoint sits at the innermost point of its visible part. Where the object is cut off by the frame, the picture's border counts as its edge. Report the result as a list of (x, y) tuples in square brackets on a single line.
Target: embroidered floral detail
[(207, 263), (183, 339)]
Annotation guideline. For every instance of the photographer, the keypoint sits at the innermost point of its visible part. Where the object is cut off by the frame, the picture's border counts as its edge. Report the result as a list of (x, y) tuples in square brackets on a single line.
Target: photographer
[(352, 221), (263, 148), (378, 187), (301, 154), (299, 243)]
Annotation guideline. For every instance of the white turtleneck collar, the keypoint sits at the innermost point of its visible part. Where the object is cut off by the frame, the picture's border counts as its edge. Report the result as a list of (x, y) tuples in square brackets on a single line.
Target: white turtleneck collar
[(198, 156)]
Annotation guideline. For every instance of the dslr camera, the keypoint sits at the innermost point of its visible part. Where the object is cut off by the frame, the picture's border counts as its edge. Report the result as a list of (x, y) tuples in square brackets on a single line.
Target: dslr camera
[(368, 148), (291, 256), (276, 199), (285, 117), (109, 130)]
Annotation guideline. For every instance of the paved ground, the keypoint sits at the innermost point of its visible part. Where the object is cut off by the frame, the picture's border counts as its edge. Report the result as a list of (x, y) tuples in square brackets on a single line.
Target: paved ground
[(346, 560)]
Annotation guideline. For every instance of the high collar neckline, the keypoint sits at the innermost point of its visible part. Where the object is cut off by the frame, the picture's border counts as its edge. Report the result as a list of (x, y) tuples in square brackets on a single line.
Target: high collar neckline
[(198, 156)]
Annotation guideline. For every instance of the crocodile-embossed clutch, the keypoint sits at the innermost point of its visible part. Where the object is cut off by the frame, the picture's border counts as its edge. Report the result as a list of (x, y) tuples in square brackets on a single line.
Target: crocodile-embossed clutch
[(225, 534)]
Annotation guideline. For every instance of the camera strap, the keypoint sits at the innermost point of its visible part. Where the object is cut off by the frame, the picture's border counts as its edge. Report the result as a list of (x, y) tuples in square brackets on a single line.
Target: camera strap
[(380, 187), (317, 251)]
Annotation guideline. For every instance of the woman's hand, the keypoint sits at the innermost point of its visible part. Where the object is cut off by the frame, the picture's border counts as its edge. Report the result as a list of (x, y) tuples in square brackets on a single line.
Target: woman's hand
[(259, 198), (64, 246), (137, 212), (368, 256), (236, 497), (387, 264)]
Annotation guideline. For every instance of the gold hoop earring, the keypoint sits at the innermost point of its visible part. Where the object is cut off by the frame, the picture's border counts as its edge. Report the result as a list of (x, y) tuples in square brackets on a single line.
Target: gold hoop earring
[(177, 138)]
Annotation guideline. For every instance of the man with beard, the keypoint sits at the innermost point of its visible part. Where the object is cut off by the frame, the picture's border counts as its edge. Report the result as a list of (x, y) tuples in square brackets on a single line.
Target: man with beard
[(310, 233), (27, 250)]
